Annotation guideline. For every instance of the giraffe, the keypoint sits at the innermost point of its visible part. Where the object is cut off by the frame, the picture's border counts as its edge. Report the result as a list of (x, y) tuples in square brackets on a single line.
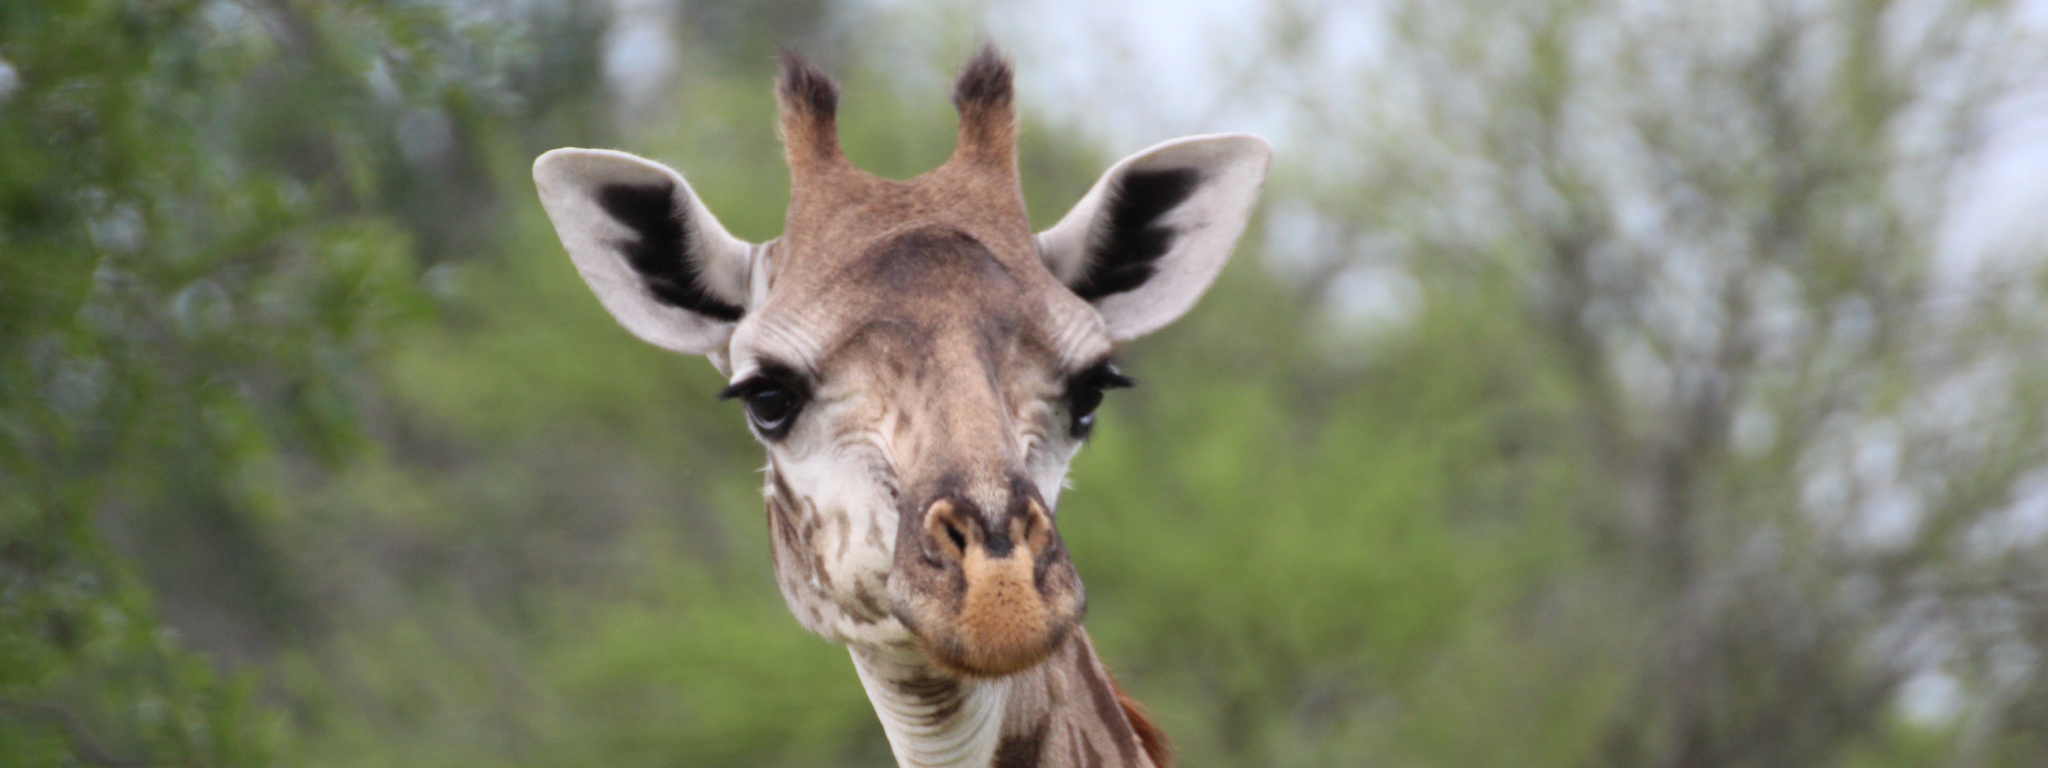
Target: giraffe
[(921, 368)]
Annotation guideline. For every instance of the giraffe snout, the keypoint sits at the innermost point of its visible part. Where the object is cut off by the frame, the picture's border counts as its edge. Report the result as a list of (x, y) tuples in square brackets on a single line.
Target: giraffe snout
[(987, 595), (956, 532)]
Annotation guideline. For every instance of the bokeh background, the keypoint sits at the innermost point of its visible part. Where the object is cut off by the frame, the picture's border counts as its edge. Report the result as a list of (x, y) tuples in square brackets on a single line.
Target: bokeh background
[(1604, 383)]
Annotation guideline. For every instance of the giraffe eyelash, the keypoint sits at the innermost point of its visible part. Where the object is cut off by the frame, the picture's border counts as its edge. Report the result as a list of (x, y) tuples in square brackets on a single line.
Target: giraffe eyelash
[(1084, 395), (1102, 375)]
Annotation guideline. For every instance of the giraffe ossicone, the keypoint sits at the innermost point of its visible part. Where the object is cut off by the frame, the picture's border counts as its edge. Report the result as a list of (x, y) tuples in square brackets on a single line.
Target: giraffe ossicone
[(921, 368)]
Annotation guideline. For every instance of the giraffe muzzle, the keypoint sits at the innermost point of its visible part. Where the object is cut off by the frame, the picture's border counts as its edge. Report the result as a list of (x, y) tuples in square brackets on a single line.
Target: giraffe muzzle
[(985, 597)]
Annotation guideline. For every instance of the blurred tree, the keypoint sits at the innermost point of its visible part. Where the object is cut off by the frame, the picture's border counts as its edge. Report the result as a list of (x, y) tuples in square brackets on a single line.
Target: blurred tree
[(1801, 450), (204, 210), (1601, 394)]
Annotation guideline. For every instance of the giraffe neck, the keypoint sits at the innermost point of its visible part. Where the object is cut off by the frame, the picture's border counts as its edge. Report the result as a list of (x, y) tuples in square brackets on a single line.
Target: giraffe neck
[(1063, 712)]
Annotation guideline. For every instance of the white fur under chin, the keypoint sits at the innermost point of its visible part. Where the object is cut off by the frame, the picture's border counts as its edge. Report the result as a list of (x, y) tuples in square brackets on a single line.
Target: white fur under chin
[(966, 740)]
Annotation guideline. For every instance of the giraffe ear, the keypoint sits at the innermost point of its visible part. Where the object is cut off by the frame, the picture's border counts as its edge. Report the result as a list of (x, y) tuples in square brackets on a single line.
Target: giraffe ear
[(655, 257), (1148, 239)]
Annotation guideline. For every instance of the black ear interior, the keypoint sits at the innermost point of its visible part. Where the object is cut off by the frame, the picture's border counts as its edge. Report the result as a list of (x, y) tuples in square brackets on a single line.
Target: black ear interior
[(661, 253), (1123, 254)]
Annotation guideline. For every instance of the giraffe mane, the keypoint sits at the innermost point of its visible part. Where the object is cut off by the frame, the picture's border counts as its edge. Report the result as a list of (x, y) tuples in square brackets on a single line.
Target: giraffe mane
[(1154, 740)]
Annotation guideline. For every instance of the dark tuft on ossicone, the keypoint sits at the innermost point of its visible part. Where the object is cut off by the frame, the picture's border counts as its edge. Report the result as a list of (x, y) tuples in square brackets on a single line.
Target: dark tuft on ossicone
[(810, 105), (984, 83), (988, 122), (804, 87)]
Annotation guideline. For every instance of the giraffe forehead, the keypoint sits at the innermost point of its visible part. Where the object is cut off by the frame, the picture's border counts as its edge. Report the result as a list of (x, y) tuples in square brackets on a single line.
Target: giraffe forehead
[(845, 214), (929, 301)]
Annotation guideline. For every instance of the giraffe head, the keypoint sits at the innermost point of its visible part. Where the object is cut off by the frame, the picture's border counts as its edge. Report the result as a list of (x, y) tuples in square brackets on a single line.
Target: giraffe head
[(920, 366)]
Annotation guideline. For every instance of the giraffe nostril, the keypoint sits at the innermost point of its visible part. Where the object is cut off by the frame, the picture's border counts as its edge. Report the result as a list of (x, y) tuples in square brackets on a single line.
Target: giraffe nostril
[(953, 529), (953, 532), (944, 532)]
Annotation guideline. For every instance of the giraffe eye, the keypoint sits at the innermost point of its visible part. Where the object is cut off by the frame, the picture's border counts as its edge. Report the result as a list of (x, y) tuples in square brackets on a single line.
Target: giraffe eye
[(771, 408), (773, 398), (1084, 395)]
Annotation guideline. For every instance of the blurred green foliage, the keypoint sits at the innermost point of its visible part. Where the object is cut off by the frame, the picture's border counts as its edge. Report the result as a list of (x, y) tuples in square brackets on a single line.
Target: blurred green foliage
[(188, 286), (291, 361)]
